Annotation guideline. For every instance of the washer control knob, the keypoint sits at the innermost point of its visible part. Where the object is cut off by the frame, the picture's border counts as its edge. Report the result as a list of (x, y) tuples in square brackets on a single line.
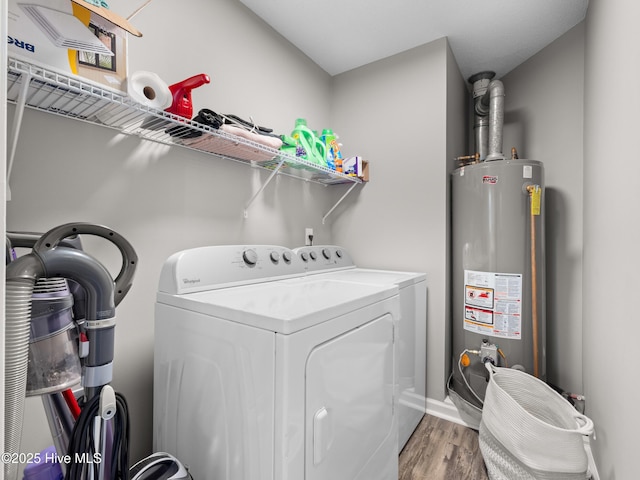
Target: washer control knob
[(304, 257), (339, 253), (286, 256), (313, 255), (326, 253), (275, 257), (250, 257)]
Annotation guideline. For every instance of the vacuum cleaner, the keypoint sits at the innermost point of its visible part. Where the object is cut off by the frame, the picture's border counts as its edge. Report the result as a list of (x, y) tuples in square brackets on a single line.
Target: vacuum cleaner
[(159, 466), (59, 344)]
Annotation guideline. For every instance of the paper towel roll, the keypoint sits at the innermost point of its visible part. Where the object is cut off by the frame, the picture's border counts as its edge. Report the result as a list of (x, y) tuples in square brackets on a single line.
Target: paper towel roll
[(148, 89)]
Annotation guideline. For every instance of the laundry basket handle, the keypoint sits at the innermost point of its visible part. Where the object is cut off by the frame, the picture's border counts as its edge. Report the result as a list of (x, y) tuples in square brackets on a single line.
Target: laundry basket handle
[(585, 424)]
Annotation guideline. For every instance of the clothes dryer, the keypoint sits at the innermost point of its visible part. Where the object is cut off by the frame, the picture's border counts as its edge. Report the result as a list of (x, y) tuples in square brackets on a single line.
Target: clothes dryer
[(261, 373), (335, 262)]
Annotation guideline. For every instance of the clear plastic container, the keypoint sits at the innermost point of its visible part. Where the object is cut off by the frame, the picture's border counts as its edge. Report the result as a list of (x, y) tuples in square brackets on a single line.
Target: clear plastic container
[(54, 364)]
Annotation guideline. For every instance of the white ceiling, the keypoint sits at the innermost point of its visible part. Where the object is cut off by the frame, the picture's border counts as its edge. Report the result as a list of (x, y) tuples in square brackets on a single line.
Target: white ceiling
[(497, 35)]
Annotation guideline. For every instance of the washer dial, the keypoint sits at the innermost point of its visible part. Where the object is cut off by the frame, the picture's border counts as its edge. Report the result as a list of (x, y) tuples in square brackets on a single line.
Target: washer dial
[(250, 257)]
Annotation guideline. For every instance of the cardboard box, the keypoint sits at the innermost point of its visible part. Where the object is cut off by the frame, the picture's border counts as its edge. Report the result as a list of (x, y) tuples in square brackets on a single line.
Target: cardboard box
[(364, 175), (356, 166), (71, 37)]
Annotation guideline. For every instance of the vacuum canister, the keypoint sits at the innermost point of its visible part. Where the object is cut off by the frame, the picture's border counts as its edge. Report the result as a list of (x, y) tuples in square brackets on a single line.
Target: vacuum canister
[(54, 364)]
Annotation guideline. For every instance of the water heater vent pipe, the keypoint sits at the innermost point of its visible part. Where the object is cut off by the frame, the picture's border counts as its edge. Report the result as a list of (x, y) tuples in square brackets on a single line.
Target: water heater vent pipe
[(489, 102)]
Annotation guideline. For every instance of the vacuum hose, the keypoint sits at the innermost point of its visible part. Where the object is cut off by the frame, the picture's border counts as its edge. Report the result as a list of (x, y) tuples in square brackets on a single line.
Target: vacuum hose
[(17, 330)]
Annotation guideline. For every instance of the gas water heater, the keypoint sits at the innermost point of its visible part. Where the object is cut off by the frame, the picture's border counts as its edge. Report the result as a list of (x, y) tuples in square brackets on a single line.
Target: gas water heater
[(497, 259)]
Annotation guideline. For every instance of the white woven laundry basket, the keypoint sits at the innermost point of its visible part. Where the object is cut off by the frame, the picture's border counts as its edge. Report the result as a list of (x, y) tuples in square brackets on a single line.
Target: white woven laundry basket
[(530, 432)]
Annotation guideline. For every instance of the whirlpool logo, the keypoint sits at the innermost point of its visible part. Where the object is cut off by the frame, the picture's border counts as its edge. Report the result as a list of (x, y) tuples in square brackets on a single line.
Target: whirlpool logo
[(190, 281)]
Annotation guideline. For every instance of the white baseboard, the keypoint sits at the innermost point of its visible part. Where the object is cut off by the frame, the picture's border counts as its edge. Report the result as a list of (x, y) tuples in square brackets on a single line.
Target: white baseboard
[(412, 400), (445, 410)]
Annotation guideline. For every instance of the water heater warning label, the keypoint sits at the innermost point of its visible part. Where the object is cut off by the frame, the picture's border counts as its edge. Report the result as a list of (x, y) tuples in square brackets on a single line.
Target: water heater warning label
[(493, 303)]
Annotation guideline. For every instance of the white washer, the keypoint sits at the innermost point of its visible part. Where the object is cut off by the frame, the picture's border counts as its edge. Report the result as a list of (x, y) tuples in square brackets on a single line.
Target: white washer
[(335, 262), (260, 374)]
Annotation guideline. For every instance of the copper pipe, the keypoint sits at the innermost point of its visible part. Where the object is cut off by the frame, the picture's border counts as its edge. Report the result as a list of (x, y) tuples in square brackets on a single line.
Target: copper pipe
[(534, 286), (475, 158)]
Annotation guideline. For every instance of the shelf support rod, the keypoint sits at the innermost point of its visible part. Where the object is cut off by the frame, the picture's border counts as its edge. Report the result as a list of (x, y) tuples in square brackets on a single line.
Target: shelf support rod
[(264, 185), (17, 122), (339, 202)]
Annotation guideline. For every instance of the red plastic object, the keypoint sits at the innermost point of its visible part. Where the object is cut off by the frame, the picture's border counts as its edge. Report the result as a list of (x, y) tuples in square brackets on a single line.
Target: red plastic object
[(72, 403), (181, 92)]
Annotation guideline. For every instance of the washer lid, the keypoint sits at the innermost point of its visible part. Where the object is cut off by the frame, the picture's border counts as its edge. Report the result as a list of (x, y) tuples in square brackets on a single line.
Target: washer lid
[(283, 306), (377, 277)]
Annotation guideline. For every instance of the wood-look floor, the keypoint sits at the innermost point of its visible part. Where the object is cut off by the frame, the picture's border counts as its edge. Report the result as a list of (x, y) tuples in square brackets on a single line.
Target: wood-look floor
[(442, 450)]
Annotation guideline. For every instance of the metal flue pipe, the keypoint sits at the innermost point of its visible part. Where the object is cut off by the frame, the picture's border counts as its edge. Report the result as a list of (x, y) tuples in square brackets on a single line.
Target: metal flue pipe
[(480, 82), (495, 99), (489, 119), (481, 127)]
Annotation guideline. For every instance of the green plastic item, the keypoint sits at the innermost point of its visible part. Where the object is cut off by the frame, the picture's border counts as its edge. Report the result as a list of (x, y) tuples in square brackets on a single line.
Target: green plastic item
[(289, 146), (309, 147), (320, 152), (329, 140)]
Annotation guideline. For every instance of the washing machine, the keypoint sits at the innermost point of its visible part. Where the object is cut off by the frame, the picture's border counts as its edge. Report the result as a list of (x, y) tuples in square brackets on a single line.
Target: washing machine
[(262, 372), (335, 262)]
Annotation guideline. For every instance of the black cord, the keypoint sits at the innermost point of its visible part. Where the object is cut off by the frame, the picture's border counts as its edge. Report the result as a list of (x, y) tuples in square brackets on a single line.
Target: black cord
[(81, 452), (78, 440), (120, 451)]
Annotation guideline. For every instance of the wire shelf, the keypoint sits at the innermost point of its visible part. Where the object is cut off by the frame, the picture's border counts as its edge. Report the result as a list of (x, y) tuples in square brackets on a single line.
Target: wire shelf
[(52, 92)]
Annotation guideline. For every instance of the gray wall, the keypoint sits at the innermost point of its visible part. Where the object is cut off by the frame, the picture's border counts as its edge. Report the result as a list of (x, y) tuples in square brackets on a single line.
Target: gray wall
[(544, 121), (407, 114), (611, 233)]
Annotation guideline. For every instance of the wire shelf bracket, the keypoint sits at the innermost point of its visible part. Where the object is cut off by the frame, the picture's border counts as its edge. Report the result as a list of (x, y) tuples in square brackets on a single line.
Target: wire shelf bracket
[(261, 189), (339, 202)]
